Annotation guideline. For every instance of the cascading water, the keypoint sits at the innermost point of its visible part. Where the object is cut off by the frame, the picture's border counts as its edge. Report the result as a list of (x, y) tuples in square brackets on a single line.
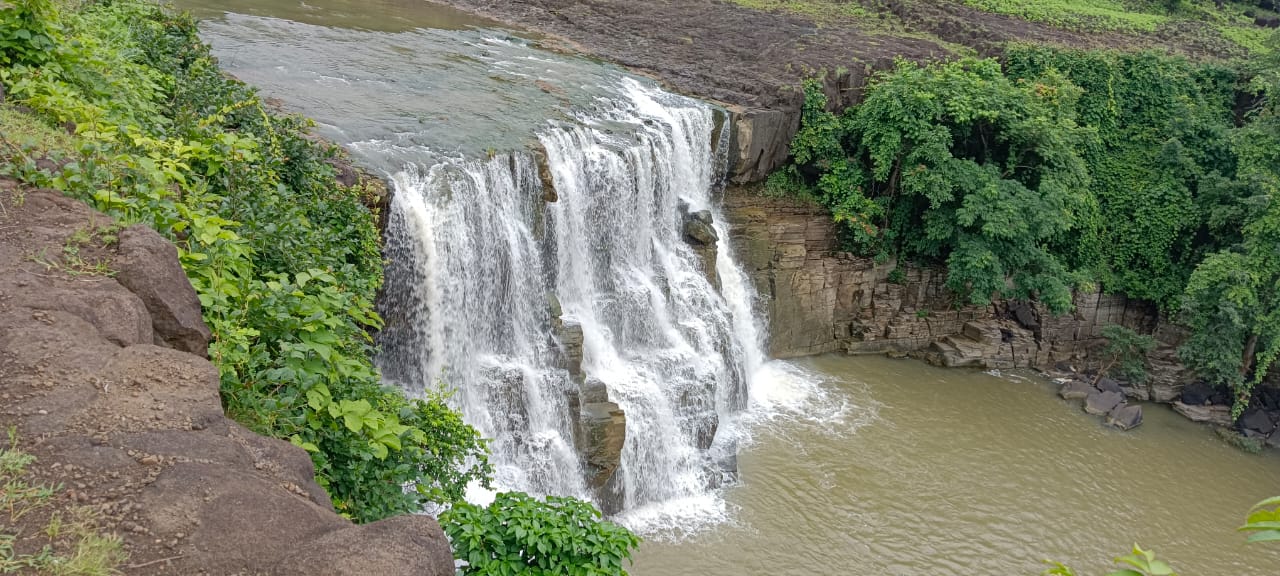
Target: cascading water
[(578, 295), (497, 272)]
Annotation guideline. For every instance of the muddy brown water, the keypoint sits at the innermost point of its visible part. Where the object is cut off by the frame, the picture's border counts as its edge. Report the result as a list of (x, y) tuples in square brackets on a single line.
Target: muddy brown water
[(923, 470), (966, 473)]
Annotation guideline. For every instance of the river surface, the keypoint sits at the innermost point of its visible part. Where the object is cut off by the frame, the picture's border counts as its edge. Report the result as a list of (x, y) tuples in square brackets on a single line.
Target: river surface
[(936, 471), (846, 465)]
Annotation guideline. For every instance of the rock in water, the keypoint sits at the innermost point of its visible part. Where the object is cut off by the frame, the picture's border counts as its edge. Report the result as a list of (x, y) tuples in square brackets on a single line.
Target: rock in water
[(1258, 420), (604, 428), (1125, 417), (1213, 414), (700, 231), (1076, 390), (1099, 403), (148, 266)]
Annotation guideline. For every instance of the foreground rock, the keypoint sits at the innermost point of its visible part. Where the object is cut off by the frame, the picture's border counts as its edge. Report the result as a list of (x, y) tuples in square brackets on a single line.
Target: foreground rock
[(101, 385)]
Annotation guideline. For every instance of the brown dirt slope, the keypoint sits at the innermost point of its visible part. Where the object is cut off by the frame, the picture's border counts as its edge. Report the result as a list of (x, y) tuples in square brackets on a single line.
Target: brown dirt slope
[(753, 60), (745, 57), (93, 378)]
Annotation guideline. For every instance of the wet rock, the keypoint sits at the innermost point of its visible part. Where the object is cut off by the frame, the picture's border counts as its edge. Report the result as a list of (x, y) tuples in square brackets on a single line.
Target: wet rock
[(604, 431), (148, 266), (1209, 413), (702, 237), (1099, 403), (1125, 416), (1257, 420), (697, 228), (1076, 390), (570, 337)]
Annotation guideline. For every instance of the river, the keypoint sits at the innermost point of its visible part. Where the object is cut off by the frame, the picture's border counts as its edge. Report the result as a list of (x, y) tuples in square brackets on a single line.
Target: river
[(539, 190)]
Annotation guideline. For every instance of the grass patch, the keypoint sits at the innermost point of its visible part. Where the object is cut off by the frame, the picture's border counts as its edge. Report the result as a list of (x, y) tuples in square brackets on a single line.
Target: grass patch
[(1080, 14), (821, 11), (72, 544)]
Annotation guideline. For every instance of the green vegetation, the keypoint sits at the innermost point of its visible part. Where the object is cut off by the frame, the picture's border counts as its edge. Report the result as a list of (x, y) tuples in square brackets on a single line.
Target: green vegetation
[(955, 163), (1148, 175), (131, 114), (73, 545), (1232, 22), (1125, 353), (519, 534)]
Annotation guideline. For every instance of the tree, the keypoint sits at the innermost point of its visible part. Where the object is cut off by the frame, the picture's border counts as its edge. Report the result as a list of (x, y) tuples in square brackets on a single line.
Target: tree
[(1232, 302), (956, 163), (1126, 353)]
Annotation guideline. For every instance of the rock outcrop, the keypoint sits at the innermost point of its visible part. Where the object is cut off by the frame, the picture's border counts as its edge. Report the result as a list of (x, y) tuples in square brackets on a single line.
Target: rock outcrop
[(105, 380), (819, 299)]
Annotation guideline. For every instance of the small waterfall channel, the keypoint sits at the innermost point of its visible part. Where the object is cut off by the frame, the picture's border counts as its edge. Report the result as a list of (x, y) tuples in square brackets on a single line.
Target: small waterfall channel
[(583, 301), (557, 259)]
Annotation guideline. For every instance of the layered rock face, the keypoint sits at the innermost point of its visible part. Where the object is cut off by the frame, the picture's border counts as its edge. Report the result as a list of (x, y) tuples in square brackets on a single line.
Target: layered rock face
[(820, 299), (105, 379)]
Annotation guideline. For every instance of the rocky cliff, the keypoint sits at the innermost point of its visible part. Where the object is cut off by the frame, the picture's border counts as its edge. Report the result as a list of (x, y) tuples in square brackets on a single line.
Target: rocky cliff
[(819, 299), (102, 376)]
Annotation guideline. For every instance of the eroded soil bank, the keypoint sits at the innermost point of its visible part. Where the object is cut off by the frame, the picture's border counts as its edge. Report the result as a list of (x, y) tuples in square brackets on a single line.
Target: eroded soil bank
[(98, 378)]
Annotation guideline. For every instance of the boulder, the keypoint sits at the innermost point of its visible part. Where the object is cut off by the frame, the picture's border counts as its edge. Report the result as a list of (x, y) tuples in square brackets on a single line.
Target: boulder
[(1099, 403), (1125, 416), (147, 265), (1076, 390), (1212, 414), (1108, 385), (1257, 420), (700, 231), (1196, 394), (411, 544), (1274, 440)]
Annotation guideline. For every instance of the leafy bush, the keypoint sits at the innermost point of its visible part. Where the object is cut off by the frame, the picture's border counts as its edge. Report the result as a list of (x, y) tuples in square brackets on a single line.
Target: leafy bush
[(1125, 353), (519, 534), (956, 163), (286, 261)]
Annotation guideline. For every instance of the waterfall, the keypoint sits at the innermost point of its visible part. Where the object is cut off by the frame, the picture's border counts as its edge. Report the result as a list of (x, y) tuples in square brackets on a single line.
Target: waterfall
[(581, 301)]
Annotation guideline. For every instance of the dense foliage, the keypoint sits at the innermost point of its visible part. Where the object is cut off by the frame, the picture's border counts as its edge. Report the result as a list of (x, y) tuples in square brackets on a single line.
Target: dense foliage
[(519, 534), (286, 262), (1148, 175), (954, 162)]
